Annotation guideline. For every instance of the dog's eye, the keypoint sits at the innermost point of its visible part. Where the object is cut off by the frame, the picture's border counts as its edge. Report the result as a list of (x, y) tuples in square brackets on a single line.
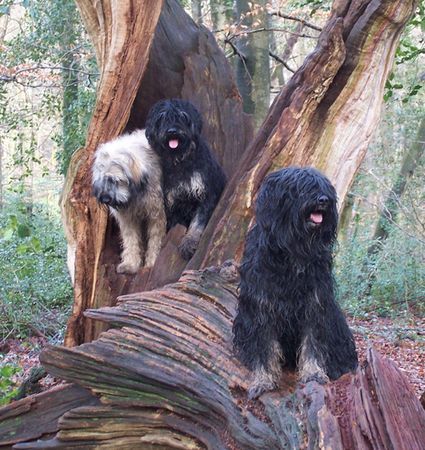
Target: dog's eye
[(185, 117)]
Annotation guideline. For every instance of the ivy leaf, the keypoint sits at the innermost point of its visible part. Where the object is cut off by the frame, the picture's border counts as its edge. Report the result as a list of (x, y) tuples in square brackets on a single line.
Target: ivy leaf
[(23, 230)]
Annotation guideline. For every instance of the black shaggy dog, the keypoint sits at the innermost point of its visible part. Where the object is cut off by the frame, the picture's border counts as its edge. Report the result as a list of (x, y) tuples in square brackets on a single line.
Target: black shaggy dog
[(287, 312), (192, 178)]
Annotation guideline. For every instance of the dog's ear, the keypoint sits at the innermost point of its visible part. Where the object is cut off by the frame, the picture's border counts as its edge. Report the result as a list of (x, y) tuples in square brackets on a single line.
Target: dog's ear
[(197, 121), (271, 203), (195, 118), (275, 214), (138, 186), (96, 188), (151, 120)]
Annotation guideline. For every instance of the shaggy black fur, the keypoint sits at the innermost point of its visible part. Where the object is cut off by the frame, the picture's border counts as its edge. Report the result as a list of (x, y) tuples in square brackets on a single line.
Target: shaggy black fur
[(193, 179), (287, 310)]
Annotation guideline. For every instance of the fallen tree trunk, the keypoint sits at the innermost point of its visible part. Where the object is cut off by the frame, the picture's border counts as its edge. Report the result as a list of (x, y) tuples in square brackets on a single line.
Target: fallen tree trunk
[(165, 375)]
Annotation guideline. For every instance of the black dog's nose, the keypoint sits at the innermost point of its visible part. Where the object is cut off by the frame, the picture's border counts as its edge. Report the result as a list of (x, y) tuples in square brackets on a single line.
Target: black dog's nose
[(172, 131), (105, 198), (323, 200)]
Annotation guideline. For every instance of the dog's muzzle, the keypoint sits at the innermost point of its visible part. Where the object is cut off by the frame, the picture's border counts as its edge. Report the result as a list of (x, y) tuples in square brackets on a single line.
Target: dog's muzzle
[(317, 215)]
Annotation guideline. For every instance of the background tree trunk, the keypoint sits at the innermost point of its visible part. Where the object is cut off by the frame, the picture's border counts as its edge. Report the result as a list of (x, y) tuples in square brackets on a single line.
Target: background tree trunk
[(252, 64), (221, 13), (197, 11), (70, 85), (324, 117), (1, 175), (391, 205)]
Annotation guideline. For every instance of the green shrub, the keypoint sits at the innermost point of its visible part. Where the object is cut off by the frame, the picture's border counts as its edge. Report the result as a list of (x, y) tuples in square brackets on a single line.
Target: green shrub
[(35, 290), (8, 388), (388, 282)]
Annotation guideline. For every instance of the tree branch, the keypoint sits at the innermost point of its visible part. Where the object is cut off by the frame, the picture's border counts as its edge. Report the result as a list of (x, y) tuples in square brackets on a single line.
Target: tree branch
[(281, 30), (296, 19), (281, 61)]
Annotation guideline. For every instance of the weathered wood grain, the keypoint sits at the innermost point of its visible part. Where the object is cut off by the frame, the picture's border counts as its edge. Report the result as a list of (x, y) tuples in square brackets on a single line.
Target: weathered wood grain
[(38, 415), (165, 375)]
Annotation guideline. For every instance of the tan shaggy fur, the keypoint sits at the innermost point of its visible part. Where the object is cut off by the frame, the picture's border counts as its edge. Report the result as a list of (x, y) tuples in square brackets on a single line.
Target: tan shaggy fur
[(120, 166)]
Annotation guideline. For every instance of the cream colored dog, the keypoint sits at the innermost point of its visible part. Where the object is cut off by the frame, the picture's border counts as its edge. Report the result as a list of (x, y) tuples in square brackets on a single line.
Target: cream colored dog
[(127, 177)]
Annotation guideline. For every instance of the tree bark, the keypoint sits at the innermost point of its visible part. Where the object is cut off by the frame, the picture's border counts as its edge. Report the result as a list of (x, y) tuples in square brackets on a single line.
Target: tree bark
[(143, 56), (166, 376)]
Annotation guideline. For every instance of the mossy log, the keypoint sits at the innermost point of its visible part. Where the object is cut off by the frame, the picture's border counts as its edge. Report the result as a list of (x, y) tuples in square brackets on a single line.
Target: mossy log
[(165, 377)]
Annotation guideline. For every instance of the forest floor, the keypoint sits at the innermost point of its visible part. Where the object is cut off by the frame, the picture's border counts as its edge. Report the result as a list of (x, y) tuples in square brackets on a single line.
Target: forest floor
[(401, 341)]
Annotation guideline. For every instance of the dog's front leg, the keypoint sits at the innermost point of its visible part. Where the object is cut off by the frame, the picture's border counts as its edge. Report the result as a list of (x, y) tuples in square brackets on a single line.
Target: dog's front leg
[(190, 241), (266, 376), (310, 361), (131, 256), (256, 344), (156, 229)]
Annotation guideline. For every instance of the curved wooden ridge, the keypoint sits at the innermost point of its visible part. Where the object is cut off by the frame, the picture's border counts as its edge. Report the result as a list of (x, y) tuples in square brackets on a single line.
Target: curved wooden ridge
[(165, 375)]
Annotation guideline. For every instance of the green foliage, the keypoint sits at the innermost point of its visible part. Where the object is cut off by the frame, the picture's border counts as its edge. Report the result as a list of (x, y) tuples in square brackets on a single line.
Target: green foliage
[(8, 388), (410, 49), (387, 283), (35, 291), (52, 57)]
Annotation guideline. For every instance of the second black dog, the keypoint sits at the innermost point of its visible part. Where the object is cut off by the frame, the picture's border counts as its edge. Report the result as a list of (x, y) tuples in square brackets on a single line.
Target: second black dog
[(193, 180), (287, 310)]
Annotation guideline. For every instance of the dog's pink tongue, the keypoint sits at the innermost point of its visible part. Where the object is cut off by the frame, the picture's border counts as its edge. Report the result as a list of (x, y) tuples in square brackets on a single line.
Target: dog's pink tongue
[(173, 143), (316, 217)]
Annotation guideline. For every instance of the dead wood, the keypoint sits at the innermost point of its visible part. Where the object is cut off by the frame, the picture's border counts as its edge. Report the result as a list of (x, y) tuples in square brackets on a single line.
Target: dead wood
[(165, 375)]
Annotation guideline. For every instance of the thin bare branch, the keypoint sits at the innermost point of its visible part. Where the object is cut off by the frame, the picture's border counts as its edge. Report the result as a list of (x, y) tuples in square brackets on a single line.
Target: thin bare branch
[(281, 30), (281, 61), (296, 19)]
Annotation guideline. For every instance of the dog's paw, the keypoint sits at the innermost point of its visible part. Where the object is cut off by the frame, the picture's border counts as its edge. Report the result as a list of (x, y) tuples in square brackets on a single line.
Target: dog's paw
[(188, 247), (256, 388), (262, 381), (126, 267), (318, 377)]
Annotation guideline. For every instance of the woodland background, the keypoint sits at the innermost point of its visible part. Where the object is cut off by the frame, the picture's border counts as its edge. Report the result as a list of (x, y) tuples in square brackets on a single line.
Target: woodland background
[(48, 78)]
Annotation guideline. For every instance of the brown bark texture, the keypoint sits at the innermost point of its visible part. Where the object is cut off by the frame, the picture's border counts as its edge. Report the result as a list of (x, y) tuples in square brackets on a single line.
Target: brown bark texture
[(165, 377), (149, 50)]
